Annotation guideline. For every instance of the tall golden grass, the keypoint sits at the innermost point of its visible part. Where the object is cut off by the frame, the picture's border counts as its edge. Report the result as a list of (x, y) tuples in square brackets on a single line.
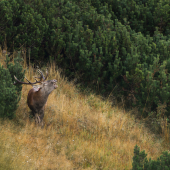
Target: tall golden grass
[(81, 132)]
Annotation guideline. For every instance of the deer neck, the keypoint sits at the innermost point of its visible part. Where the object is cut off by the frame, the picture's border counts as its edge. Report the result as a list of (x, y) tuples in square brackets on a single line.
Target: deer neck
[(44, 94), (41, 96)]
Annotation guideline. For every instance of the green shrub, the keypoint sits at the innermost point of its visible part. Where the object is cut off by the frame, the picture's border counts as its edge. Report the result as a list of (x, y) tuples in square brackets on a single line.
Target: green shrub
[(9, 94), (16, 69), (21, 25), (142, 16), (140, 161)]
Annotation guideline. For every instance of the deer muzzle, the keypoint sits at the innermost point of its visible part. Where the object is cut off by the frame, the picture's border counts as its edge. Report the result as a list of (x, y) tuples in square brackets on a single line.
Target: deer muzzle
[(55, 85)]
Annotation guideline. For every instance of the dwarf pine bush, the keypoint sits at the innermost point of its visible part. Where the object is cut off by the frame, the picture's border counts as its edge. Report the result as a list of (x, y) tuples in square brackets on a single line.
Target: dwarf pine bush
[(9, 94)]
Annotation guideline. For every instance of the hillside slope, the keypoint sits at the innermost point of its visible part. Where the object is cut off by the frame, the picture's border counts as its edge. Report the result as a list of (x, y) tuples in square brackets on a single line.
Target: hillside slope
[(81, 132)]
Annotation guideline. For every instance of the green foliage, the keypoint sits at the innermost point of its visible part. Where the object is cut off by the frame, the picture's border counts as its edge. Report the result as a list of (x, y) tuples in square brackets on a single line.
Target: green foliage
[(16, 69), (162, 16), (142, 16), (140, 161), (88, 39), (10, 94), (21, 25), (8, 102)]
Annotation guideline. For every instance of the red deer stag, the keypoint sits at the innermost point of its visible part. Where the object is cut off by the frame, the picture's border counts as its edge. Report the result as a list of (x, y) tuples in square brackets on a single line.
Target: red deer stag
[(38, 95)]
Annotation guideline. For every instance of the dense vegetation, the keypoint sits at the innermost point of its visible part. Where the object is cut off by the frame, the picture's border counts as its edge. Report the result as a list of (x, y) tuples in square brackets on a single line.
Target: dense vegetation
[(118, 46), (10, 94), (140, 161), (112, 45)]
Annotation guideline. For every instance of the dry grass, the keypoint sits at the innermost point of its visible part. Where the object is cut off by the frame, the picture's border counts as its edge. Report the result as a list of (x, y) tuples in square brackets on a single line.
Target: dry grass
[(81, 132)]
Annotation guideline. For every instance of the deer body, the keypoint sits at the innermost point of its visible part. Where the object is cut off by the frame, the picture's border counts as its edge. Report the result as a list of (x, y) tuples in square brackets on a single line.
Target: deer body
[(38, 95), (36, 100)]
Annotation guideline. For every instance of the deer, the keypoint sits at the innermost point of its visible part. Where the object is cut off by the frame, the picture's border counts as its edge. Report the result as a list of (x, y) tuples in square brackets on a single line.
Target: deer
[(38, 95)]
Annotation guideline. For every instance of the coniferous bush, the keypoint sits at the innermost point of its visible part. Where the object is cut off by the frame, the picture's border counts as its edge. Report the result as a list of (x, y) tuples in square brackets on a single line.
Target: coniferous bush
[(140, 161), (10, 94), (8, 102), (16, 69), (21, 25), (142, 16)]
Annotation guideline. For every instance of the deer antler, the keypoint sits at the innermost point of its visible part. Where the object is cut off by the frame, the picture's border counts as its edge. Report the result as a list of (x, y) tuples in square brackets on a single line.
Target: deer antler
[(41, 74), (46, 73), (20, 82)]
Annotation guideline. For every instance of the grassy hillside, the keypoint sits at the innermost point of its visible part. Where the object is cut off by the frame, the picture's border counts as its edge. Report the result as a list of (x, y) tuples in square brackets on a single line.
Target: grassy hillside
[(81, 132)]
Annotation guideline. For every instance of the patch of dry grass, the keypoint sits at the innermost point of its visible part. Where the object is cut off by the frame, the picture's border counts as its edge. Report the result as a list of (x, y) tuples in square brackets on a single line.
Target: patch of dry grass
[(81, 132)]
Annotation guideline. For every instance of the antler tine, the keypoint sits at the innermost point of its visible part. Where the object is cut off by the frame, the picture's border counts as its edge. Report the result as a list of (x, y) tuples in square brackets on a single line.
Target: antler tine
[(46, 73), (37, 78), (28, 80), (41, 73), (14, 81)]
